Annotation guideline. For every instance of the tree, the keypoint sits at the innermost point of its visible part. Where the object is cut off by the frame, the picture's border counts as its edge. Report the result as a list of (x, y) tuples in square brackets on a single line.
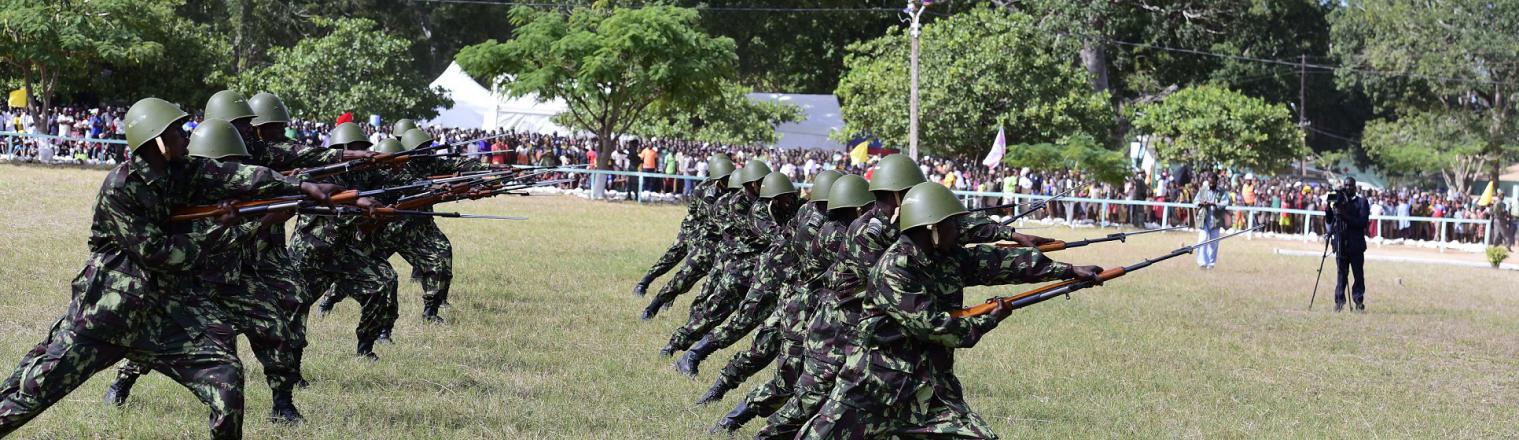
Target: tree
[(730, 118), (1442, 61), (984, 69), (52, 44), (1417, 144), (1080, 152), (611, 67), (354, 67), (1205, 126)]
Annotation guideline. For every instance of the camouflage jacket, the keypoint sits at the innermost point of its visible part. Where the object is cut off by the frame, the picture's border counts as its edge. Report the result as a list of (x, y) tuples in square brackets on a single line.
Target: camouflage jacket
[(906, 320), (138, 274), (735, 218), (275, 156), (812, 261), (698, 228), (323, 239)]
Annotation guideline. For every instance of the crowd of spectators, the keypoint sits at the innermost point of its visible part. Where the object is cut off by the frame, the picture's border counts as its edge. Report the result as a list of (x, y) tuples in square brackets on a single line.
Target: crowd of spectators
[(673, 158)]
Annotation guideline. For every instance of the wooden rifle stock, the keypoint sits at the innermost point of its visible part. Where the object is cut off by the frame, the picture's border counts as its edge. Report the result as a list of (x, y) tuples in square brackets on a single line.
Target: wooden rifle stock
[(991, 304)]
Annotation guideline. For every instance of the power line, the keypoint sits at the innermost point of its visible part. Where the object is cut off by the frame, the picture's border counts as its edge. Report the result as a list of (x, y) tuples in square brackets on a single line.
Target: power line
[(699, 8)]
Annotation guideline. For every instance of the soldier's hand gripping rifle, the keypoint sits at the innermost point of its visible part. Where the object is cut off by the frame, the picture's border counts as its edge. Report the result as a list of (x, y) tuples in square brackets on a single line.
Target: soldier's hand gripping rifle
[(1047, 292), (1062, 245), (256, 207)]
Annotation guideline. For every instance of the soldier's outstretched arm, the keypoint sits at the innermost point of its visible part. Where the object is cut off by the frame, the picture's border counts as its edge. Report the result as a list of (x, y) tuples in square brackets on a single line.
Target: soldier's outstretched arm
[(143, 239), (987, 265), (906, 300)]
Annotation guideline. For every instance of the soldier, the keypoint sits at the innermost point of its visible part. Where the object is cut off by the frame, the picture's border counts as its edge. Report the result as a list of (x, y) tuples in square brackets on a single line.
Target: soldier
[(776, 223), (262, 270), (810, 262), (700, 235), (830, 337), (797, 266), (340, 252), (739, 254), (132, 299), (420, 242), (901, 382)]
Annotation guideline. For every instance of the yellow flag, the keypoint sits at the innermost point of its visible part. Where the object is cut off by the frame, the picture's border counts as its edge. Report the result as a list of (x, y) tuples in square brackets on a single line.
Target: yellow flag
[(1487, 195), (17, 98), (860, 153)]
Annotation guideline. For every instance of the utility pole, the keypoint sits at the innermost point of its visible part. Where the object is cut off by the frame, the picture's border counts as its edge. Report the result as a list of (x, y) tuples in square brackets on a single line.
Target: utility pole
[(1302, 104), (915, 11)]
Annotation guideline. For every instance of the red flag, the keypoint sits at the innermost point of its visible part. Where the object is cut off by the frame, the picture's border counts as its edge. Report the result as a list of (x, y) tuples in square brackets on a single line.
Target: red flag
[(347, 117)]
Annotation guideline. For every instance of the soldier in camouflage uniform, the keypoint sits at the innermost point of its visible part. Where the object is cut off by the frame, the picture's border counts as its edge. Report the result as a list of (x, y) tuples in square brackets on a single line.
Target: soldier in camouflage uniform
[(135, 298), (341, 252), (419, 241), (776, 223), (256, 284), (798, 266), (830, 327), (811, 262), (900, 382), (737, 257), (698, 232)]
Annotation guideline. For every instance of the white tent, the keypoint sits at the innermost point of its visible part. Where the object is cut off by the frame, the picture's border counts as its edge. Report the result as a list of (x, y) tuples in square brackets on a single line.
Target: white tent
[(471, 101), (526, 114), (820, 116)]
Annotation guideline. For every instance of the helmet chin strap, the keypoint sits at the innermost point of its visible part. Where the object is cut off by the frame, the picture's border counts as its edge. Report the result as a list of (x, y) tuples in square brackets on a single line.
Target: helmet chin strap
[(933, 234), (897, 209)]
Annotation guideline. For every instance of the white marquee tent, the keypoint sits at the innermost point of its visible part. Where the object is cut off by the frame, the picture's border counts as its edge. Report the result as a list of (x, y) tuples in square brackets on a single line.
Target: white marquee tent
[(477, 107)]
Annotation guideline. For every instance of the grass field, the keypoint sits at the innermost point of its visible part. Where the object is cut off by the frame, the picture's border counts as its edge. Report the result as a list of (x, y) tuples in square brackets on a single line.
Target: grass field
[(543, 342)]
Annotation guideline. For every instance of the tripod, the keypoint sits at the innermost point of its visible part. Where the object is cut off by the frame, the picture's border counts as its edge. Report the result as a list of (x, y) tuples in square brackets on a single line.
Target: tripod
[(1334, 233)]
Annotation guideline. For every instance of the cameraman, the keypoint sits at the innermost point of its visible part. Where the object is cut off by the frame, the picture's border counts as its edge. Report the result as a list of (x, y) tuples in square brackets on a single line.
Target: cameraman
[(1347, 217)]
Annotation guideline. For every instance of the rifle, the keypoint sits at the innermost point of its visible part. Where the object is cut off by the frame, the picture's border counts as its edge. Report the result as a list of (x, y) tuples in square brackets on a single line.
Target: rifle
[(393, 159), (298, 201), (382, 212), (1041, 205), (1062, 245), (1046, 292)]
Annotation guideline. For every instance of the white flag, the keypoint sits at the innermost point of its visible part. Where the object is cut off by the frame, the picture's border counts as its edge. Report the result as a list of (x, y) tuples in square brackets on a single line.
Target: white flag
[(999, 148)]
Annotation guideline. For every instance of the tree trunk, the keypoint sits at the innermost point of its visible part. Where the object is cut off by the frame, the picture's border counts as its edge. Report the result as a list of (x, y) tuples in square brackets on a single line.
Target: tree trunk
[(604, 143)]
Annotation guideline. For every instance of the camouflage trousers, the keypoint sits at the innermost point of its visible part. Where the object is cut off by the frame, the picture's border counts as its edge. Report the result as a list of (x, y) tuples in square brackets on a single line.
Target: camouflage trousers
[(699, 262), (719, 297), (261, 310), (772, 395), (812, 388), (430, 255), (763, 349), (673, 256), (757, 305), (874, 401), (204, 362), (365, 277)]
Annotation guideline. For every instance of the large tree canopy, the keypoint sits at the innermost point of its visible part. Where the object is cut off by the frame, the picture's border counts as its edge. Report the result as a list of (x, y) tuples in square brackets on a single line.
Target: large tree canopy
[(613, 68), (982, 69), (1207, 126), (1418, 144), (1439, 61), (354, 68)]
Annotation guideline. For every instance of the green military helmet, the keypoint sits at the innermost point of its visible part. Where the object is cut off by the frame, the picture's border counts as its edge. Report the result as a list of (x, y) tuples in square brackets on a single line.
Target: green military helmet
[(775, 184), (348, 133), (820, 185), (228, 106), (268, 109), (849, 191), (735, 181), (148, 118), (928, 203), (719, 167), (415, 138), (754, 170), (217, 139), (401, 127), (896, 173), (388, 146)]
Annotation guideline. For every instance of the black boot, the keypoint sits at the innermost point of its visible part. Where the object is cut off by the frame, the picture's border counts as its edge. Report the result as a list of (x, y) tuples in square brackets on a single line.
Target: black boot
[(668, 351), (652, 309), (734, 419), (284, 409), (366, 350), (328, 302), (689, 363), (384, 337), (640, 288), (430, 314), (120, 389), (717, 391)]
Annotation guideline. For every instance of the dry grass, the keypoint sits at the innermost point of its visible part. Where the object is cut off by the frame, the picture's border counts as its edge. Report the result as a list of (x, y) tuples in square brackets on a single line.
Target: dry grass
[(543, 342)]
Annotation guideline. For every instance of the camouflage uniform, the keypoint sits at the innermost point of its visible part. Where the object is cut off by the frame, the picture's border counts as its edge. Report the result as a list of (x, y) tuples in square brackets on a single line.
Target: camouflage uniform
[(901, 381), (700, 235), (730, 278), (830, 335), (134, 300), (341, 252), (256, 284)]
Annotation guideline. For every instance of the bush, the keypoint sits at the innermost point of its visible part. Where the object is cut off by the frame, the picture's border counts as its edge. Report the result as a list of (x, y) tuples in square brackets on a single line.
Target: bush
[(1496, 255)]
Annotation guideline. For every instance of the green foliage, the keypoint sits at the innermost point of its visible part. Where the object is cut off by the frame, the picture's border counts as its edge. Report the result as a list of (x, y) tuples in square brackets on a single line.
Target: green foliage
[(979, 70), (1079, 152), (1422, 143), (354, 67), (1496, 255), (731, 118), (1208, 125), (612, 68)]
